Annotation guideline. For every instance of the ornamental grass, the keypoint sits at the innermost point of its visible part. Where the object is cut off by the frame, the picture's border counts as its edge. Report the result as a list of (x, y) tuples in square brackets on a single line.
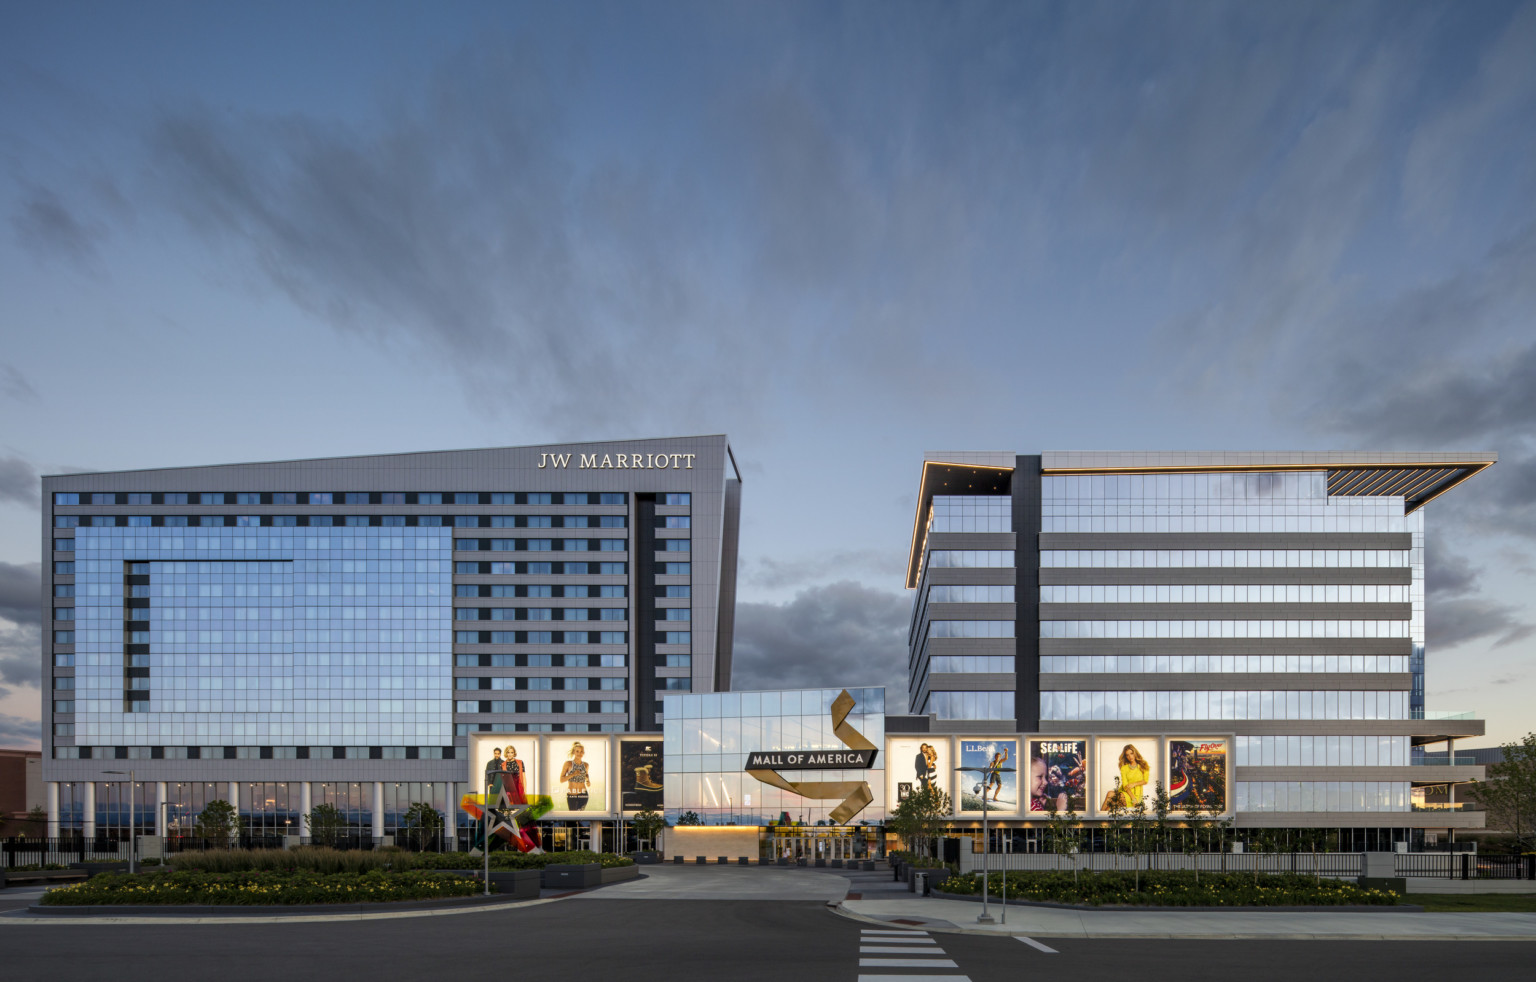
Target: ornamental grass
[(260, 887), (1174, 888)]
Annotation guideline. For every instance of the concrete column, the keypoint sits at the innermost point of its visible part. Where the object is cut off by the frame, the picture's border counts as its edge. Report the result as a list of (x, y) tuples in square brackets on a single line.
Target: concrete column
[(53, 810), (88, 813), (450, 815), (160, 801), (304, 810), (378, 810), (595, 836), (233, 795)]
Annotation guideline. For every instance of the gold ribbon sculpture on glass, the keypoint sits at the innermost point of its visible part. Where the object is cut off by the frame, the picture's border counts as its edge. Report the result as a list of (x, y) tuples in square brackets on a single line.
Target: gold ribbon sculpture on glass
[(855, 794)]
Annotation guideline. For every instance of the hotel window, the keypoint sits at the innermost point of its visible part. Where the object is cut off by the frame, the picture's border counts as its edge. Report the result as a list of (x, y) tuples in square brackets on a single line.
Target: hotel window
[(63, 637), (211, 521), (63, 613), (612, 521), (676, 637), (66, 521), (63, 706), (615, 569), (248, 521), (677, 499), (66, 498), (64, 569), (676, 614), (673, 569), (676, 545), (674, 522), (104, 499), (611, 545), (357, 498), (675, 685), (429, 498), (320, 498), (63, 545), (612, 637)]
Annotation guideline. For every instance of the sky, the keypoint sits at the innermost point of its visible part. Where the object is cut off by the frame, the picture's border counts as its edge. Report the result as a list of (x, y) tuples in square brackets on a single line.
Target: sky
[(843, 234)]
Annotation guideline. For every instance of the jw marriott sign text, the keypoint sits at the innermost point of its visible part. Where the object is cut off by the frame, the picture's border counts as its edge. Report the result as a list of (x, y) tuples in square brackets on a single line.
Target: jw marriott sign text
[(620, 461)]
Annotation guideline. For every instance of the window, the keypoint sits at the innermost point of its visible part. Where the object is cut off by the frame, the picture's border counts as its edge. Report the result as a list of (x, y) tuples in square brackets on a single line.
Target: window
[(66, 498), (612, 637), (357, 497), (104, 499), (612, 613), (466, 521), (537, 545), (574, 498), (64, 590), (64, 729), (674, 569), (970, 629), (392, 498), (320, 498), (612, 521), (174, 498), (677, 661), (677, 499), (503, 521), (63, 637), (285, 498), (614, 591), (676, 614), (426, 521), (66, 521), (63, 705), (613, 569), (102, 521), (64, 683), (321, 521), (466, 498), (63, 613), (675, 522), (575, 545), (466, 637), (247, 498), (285, 521), (466, 590), (63, 545), (575, 569), (575, 521), (675, 685), (681, 592), (576, 613), (676, 545), (393, 521), (64, 569), (612, 706), (429, 498), (248, 521), (64, 661), (676, 637), (211, 521), (357, 521), (611, 545)]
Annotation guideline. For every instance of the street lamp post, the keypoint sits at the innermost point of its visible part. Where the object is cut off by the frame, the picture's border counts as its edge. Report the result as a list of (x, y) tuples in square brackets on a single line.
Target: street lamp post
[(132, 832), (985, 917)]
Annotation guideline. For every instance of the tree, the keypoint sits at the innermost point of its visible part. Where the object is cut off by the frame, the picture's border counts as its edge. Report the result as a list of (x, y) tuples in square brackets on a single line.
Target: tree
[(1509, 793), (689, 818), (1192, 840), (37, 822), (648, 825), (921, 818), (325, 823), (1063, 836), (422, 822), (1162, 828), (218, 822)]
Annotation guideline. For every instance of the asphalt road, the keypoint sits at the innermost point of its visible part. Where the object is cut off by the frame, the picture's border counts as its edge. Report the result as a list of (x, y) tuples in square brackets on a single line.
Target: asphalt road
[(798, 941)]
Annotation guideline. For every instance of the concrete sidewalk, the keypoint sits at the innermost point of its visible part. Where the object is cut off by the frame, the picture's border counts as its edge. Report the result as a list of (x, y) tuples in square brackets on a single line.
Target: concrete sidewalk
[(958, 916)]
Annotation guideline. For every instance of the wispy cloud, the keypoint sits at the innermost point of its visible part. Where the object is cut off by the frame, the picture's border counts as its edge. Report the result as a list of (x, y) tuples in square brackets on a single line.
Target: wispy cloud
[(840, 634), (18, 482)]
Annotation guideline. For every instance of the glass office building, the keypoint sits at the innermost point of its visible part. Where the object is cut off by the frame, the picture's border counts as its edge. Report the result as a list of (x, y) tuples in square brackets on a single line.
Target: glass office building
[(1275, 597), (285, 634)]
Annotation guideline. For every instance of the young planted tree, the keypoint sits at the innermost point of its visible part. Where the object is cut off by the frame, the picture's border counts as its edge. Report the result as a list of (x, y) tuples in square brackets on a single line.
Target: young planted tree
[(1138, 826), (921, 818), (1162, 828), (1192, 839), (1063, 836), (422, 823), (1509, 793), (218, 823), (648, 825), (325, 823), (37, 822)]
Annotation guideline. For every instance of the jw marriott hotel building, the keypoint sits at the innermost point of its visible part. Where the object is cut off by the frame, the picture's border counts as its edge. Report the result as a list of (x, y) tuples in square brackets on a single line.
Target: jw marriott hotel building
[(1273, 600), (285, 634)]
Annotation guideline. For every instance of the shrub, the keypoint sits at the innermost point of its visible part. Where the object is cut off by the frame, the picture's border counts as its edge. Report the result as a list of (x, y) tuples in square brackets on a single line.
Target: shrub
[(256, 887), (516, 860), (1177, 888), (314, 859)]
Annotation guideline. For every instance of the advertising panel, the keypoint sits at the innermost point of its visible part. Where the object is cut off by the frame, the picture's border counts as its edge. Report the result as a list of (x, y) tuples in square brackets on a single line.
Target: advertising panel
[(1126, 768), (578, 774), (641, 775), (1197, 774), (913, 764), (1058, 776), (506, 763), (988, 769)]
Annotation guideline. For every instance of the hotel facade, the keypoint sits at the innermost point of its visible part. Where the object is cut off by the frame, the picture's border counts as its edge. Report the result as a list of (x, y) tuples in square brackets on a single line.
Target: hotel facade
[(282, 635)]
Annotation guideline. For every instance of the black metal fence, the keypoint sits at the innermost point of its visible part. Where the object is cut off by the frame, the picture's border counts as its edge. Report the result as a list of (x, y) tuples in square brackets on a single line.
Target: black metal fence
[(1466, 866), (30, 850)]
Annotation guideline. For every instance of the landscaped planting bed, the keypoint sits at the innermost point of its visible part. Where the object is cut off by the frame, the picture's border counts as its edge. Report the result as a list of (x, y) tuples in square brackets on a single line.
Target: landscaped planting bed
[(260, 888), (1173, 889)]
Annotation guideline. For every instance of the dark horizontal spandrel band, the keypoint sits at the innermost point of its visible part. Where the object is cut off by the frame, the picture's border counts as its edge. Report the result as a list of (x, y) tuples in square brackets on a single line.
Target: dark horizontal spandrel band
[(1429, 730), (1224, 575), (1226, 646), (1224, 681), (1226, 612), (1226, 540)]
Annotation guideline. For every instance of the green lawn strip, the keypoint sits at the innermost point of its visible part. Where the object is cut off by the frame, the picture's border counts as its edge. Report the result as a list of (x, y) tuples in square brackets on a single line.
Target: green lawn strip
[(1450, 903), (1175, 889), (260, 887)]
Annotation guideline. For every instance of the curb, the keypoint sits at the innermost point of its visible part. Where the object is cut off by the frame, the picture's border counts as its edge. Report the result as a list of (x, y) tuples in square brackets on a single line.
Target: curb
[(1137, 908)]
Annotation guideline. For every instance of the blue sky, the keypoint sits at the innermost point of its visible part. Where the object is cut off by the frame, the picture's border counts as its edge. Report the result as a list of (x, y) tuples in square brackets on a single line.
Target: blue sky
[(843, 234)]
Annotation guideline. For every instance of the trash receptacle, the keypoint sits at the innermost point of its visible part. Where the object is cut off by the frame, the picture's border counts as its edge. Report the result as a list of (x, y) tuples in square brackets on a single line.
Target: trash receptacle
[(920, 884)]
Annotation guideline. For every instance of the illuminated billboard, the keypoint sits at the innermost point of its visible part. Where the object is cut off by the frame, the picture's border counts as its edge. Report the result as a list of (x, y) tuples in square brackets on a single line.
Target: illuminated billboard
[(987, 774), (642, 775), (1126, 769), (1058, 777), (1198, 770), (578, 774), (912, 765)]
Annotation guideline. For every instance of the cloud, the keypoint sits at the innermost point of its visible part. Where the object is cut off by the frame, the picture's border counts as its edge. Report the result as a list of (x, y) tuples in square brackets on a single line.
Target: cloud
[(774, 574), (1453, 622), (14, 385), (840, 634), (21, 646), (21, 586), (18, 730), (46, 226), (18, 482)]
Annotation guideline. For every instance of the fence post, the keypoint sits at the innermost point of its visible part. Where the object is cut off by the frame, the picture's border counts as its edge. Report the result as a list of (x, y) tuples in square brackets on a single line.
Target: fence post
[(1530, 867), (1466, 866)]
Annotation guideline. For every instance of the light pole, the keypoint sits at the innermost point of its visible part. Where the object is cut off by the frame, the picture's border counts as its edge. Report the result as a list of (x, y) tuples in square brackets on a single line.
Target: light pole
[(988, 770), (132, 832), (485, 837)]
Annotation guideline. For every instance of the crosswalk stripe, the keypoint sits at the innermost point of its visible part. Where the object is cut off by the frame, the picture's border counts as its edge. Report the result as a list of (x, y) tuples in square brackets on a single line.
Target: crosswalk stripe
[(907, 963), (905, 931), (898, 950), (914, 978), (1037, 945), (886, 939)]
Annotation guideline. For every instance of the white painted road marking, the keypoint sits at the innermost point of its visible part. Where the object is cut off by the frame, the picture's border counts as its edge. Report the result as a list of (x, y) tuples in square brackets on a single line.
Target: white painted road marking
[(1037, 945), (907, 932), (897, 950), (914, 978), (907, 963)]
